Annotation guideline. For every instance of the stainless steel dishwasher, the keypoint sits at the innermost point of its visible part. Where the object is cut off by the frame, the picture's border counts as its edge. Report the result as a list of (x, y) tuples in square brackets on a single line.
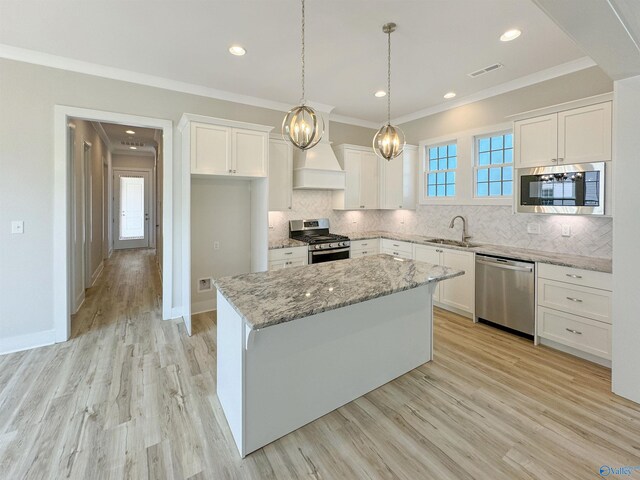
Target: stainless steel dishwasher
[(505, 293)]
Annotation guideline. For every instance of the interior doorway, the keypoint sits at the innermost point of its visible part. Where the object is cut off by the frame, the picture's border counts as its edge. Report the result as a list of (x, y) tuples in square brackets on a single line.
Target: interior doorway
[(133, 202), (84, 232)]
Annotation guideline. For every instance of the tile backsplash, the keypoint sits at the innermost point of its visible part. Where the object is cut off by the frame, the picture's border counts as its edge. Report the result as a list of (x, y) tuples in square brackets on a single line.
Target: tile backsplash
[(590, 235)]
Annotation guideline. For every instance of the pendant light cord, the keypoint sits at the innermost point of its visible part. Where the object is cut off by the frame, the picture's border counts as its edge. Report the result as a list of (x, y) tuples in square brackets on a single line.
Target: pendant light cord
[(388, 79), (302, 101)]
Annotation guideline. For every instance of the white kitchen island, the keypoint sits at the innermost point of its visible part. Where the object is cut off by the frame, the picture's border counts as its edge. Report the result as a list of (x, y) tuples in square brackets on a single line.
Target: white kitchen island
[(297, 343)]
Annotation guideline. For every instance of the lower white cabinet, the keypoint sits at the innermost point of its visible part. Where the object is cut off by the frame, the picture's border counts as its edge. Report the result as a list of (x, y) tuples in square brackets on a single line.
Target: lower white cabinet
[(574, 309), (456, 294), (364, 248), (288, 257), (396, 248)]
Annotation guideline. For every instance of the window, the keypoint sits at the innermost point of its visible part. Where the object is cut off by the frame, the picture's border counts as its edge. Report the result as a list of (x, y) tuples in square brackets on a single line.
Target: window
[(494, 165), (441, 171)]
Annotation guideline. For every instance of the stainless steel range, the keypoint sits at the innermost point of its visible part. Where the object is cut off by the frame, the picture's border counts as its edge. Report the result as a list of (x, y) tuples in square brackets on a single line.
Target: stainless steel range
[(323, 246)]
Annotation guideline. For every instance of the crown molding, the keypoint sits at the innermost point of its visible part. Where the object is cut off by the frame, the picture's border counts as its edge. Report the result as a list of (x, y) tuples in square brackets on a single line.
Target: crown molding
[(527, 80), (354, 121)]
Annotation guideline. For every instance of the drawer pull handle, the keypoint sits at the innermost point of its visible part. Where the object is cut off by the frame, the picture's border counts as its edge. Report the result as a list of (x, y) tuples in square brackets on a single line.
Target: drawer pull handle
[(571, 275), (364, 244), (577, 300), (573, 331), (288, 253), (364, 252), (395, 244), (396, 253)]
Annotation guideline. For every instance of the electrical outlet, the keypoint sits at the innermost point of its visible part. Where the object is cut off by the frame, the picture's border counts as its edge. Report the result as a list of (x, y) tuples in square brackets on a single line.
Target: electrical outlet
[(533, 228), (216, 245), (566, 230), (205, 284), (17, 226)]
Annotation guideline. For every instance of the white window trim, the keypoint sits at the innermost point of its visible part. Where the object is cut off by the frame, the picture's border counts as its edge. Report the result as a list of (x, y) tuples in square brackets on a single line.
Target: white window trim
[(476, 166), (465, 182), (427, 171)]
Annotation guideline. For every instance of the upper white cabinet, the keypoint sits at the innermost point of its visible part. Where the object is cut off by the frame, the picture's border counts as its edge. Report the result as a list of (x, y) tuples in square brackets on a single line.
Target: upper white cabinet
[(398, 179), (577, 135), (361, 190), (280, 175), (224, 147)]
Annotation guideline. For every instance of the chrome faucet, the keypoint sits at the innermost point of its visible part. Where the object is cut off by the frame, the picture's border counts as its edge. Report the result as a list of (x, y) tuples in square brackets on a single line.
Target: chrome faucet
[(465, 237)]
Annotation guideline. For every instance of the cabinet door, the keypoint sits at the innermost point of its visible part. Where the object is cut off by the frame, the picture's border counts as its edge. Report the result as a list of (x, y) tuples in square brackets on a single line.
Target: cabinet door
[(250, 153), (585, 134), (277, 264), (280, 175), (459, 292), (391, 182), (210, 149), (431, 255), (369, 186), (352, 168), (410, 177), (536, 141)]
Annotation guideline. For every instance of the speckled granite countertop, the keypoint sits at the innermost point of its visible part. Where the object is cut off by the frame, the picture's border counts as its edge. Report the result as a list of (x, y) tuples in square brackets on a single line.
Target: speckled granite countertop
[(563, 259), (265, 299), (286, 243)]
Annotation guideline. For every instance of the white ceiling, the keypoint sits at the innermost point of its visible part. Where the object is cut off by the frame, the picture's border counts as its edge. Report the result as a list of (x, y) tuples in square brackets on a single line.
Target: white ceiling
[(117, 134), (437, 43)]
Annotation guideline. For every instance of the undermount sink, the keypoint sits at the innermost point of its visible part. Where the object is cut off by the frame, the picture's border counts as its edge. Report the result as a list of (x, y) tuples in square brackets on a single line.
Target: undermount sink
[(455, 243)]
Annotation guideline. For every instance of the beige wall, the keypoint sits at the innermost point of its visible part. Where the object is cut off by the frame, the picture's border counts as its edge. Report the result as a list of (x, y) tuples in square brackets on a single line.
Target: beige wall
[(495, 110), (28, 94)]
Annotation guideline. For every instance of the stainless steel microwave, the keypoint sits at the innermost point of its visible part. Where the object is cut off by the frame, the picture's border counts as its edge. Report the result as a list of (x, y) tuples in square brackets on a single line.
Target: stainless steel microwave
[(564, 189)]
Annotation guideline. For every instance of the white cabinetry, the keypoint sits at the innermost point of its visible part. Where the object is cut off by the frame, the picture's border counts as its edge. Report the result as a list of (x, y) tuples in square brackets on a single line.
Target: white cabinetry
[(287, 257), (398, 180), (364, 248), (577, 135), (361, 189), (574, 310), (280, 175), (223, 150), (456, 294), (396, 248)]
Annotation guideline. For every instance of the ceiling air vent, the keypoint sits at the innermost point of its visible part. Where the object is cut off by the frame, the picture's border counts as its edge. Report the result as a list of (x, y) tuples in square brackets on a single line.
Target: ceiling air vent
[(484, 70), (131, 144)]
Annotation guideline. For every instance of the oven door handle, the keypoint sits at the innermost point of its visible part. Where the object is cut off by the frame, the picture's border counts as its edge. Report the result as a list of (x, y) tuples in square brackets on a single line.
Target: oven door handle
[(327, 252)]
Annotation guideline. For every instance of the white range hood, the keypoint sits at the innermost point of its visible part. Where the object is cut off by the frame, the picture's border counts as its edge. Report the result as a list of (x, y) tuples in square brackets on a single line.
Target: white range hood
[(317, 168)]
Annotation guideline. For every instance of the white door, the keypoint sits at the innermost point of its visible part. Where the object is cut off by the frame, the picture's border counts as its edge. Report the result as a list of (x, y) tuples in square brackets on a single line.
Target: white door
[(132, 192), (585, 134), (210, 149), (352, 165), (280, 175), (536, 141), (459, 292), (392, 193), (369, 185), (249, 151), (424, 253)]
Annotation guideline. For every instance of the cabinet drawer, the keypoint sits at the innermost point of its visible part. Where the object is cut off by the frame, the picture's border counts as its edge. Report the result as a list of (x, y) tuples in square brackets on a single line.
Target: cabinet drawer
[(363, 253), (397, 253), (577, 332), (372, 243), (576, 276), (288, 253), (397, 246), (585, 301)]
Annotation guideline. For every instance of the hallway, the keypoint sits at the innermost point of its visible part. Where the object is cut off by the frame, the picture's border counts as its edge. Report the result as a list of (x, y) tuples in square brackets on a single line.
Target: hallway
[(131, 396)]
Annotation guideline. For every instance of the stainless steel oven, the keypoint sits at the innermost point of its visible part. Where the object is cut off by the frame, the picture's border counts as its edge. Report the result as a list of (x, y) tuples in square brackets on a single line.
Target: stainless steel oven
[(329, 255), (564, 189)]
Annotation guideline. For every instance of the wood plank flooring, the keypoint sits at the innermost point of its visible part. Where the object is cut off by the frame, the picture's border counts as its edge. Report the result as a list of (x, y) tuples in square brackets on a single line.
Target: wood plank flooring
[(132, 396)]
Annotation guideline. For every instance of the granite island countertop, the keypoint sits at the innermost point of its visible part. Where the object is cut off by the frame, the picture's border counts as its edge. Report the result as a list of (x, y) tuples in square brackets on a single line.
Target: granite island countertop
[(563, 259), (265, 299)]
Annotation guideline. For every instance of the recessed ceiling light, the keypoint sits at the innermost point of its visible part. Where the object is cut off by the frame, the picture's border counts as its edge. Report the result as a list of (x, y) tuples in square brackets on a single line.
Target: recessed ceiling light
[(237, 50), (130, 132), (380, 93), (510, 35), (133, 148), (449, 95)]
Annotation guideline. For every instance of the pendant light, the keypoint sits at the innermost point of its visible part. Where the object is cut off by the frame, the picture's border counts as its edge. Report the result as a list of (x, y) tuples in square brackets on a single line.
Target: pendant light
[(389, 142), (302, 126)]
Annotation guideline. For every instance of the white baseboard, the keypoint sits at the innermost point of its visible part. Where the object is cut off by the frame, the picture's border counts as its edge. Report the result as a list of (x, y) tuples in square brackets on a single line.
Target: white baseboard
[(27, 342), (97, 273), (578, 353), (176, 312), (203, 306)]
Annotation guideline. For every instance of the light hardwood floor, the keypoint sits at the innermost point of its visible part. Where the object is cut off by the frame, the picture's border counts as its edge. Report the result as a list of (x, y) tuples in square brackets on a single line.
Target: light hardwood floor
[(131, 396)]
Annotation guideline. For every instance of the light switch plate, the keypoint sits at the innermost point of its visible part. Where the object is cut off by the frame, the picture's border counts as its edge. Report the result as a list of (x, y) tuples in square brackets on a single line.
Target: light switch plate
[(533, 228), (566, 230), (17, 226), (216, 245)]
